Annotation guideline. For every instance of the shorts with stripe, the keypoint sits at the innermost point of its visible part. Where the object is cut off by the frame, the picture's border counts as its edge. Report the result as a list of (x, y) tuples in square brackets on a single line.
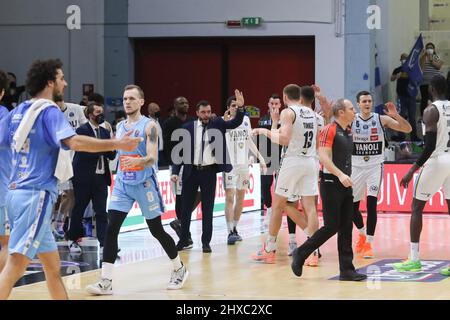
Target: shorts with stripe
[(434, 174), (367, 180), (30, 214), (3, 222), (146, 194)]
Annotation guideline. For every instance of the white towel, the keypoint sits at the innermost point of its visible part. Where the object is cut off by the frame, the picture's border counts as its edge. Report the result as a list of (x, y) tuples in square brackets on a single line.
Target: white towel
[(64, 170)]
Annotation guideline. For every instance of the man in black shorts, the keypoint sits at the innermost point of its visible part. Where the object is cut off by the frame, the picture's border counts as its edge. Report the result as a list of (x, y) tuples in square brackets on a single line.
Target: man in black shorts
[(335, 153)]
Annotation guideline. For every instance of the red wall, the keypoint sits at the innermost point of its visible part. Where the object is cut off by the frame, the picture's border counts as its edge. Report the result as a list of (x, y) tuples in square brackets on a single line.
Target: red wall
[(211, 69)]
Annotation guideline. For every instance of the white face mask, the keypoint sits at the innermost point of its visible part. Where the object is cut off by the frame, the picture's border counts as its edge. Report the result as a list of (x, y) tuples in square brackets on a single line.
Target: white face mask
[(402, 61), (430, 51)]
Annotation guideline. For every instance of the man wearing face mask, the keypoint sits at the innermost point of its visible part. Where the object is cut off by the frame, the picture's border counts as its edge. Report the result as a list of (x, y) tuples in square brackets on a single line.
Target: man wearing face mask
[(406, 102), (431, 64), (91, 178)]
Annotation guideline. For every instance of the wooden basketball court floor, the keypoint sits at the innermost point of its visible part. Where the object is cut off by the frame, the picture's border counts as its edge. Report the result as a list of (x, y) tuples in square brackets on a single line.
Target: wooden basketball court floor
[(229, 273)]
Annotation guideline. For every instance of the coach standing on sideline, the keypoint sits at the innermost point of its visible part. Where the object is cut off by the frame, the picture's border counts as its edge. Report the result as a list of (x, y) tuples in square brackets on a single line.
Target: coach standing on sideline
[(335, 152)]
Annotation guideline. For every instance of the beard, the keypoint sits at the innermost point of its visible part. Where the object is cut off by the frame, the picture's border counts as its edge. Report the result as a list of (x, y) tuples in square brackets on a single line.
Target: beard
[(182, 111), (58, 95)]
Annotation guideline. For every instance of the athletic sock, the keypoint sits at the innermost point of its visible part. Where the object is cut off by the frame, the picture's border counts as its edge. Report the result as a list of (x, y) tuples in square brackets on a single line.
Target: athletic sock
[(271, 243), (292, 237), (177, 263), (362, 231), (414, 251), (107, 270)]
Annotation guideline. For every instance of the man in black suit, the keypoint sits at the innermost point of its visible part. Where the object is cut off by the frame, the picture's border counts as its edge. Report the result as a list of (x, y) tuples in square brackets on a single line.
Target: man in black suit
[(206, 158), (91, 178)]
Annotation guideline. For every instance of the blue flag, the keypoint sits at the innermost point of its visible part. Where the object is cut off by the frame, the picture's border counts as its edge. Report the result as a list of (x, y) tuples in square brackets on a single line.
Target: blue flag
[(412, 67)]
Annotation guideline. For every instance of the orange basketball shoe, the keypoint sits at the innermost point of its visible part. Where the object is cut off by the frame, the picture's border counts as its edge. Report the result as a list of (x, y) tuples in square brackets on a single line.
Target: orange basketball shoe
[(367, 251), (264, 256), (359, 248)]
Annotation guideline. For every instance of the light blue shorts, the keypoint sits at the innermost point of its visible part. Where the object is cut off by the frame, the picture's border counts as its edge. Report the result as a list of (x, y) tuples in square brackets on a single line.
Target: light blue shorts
[(30, 213), (3, 220), (146, 194)]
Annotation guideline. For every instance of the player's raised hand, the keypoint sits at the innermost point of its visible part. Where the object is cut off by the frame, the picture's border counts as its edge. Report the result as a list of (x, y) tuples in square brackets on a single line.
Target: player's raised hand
[(239, 98), (390, 109)]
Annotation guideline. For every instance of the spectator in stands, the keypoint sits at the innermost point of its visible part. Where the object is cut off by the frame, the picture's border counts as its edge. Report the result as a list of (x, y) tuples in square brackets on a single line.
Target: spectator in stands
[(406, 102), (431, 65)]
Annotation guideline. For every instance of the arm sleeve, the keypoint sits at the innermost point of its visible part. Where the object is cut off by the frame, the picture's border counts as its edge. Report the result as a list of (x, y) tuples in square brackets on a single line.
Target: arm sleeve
[(430, 146)]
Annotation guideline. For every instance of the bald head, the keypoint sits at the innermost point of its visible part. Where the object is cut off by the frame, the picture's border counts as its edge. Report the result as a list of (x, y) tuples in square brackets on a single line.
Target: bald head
[(153, 110)]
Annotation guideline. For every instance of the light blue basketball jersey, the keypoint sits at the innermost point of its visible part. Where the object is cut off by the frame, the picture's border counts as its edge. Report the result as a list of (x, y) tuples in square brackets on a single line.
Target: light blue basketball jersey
[(134, 177), (5, 161), (33, 167)]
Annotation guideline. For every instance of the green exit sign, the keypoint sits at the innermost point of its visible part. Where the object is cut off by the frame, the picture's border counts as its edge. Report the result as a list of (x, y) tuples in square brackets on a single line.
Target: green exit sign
[(251, 21)]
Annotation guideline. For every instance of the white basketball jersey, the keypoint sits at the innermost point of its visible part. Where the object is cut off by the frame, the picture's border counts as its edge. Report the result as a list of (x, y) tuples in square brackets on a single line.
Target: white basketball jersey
[(368, 141), (237, 143), (75, 115), (304, 133), (443, 128)]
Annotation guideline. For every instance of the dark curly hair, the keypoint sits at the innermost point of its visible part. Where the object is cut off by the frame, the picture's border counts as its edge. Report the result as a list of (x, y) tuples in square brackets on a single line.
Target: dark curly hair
[(41, 71), (4, 81)]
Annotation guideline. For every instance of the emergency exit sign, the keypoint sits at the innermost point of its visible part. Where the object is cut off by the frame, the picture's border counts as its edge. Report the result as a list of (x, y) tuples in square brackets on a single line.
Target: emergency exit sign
[(251, 21)]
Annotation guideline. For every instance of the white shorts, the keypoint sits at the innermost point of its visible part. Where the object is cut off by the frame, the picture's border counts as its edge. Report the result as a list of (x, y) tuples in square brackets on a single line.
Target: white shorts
[(434, 174), (238, 178), (297, 177), (366, 180)]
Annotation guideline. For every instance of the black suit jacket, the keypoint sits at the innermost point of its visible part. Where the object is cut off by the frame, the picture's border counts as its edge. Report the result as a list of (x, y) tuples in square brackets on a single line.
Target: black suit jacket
[(216, 123), (85, 163)]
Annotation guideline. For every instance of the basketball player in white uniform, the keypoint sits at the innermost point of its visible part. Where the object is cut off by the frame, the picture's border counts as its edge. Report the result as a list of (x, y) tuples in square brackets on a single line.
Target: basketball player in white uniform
[(435, 168), (237, 181), (75, 115), (298, 173), (367, 163)]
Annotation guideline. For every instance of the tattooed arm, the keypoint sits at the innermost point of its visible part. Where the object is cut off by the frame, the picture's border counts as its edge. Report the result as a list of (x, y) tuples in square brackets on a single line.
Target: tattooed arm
[(151, 132)]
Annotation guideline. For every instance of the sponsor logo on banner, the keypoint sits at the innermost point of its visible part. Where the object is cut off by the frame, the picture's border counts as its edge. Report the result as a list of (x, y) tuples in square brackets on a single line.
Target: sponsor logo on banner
[(383, 270), (394, 198)]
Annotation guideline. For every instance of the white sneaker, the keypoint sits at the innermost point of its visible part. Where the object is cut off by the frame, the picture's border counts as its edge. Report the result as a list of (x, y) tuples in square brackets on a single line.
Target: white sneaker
[(291, 248), (178, 278), (74, 247), (102, 287)]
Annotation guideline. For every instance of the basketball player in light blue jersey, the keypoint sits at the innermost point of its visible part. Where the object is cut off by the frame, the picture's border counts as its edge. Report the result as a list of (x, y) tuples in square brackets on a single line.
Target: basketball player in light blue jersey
[(136, 182), (32, 187), (4, 169)]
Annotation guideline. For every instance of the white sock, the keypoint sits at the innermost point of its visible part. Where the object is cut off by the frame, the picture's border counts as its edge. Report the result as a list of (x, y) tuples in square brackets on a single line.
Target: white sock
[(235, 223), (269, 212), (370, 239), (271, 243), (414, 251), (230, 226), (107, 270), (362, 231), (177, 263), (292, 237)]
